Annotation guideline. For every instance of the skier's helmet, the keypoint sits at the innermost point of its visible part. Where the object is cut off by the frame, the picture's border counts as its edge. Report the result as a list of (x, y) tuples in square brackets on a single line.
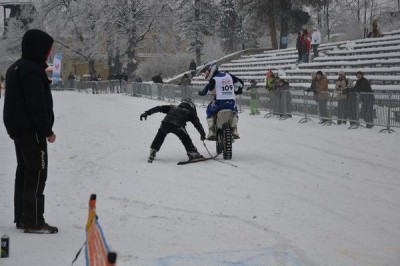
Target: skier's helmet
[(208, 70), (188, 104)]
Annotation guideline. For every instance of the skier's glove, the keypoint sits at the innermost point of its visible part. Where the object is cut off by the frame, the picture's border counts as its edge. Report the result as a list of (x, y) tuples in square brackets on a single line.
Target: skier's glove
[(144, 115), (200, 93)]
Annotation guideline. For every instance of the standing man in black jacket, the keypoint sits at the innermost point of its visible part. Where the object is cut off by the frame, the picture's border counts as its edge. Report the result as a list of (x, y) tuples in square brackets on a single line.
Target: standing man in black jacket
[(29, 118), (175, 122), (366, 97)]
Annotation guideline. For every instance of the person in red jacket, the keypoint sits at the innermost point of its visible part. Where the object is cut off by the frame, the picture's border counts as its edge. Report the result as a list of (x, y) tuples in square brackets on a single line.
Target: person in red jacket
[(306, 45)]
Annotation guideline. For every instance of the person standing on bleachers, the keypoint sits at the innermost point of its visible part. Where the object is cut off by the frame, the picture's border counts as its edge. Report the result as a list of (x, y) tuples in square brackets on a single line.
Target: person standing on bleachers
[(306, 46), (322, 95), (284, 41), (299, 47), (315, 41), (192, 68), (342, 84)]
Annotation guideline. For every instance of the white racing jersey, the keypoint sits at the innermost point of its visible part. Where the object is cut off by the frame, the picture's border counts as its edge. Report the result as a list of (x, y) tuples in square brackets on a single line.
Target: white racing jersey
[(224, 87)]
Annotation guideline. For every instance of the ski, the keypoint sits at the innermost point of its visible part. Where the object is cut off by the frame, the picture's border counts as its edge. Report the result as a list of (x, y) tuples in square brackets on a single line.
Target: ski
[(197, 160)]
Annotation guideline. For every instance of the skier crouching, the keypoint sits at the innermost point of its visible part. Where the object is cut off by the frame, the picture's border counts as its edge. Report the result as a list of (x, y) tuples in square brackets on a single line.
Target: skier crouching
[(175, 122)]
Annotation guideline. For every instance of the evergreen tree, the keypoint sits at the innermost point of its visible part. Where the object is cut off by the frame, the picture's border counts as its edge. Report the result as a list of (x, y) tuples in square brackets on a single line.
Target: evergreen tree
[(228, 26)]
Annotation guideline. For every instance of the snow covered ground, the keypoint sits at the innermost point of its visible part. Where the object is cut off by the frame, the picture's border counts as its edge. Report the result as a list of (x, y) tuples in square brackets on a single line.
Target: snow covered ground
[(300, 194)]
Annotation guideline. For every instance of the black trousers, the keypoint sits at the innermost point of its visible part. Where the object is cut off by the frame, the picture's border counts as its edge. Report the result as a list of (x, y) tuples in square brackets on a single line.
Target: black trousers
[(181, 132), (30, 179)]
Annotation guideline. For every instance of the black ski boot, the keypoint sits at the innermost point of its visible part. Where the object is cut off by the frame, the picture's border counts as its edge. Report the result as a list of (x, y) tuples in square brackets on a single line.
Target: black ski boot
[(152, 155), (194, 155)]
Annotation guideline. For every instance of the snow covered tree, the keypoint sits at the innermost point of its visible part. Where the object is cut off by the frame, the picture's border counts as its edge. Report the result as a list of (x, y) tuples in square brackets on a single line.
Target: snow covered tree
[(272, 13), (197, 20), (75, 28), (228, 26), (127, 22)]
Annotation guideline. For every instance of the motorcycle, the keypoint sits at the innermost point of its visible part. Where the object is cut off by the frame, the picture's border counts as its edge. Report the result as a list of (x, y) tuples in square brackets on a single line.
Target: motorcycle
[(223, 133)]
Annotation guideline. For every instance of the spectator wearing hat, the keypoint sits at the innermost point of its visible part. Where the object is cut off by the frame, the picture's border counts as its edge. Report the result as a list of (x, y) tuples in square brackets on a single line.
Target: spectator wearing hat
[(321, 95), (342, 84), (270, 81), (366, 98)]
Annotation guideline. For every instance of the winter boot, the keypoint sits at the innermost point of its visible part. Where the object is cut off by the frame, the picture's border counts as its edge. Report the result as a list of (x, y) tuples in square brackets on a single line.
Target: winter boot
[(194, 155), (152, 155), (41, 229), (234, 122), (211, 128)]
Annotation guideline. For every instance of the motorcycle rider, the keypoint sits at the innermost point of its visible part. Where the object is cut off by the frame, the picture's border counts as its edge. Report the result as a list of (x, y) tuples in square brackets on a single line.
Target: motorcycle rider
[(222, 86)]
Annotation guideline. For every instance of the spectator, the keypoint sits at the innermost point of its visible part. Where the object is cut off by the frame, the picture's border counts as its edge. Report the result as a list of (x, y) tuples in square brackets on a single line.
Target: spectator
[(157, 78), (315, 41), (299, 47), (71, 76), (99, 78), (185, 82), (118, 76), (253, 98), (111, 76), (322, 95), (124, 76), (137, 79), (367, 98), (375, 31), (192, 68), (70, 80), (342, 84), (29, 118), (306, 46), (93, 77), (270, 81), (284, 41), (284, 98)]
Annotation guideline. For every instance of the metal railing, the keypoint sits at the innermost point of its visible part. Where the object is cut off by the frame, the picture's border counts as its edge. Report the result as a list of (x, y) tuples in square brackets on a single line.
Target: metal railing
[(352, 109)]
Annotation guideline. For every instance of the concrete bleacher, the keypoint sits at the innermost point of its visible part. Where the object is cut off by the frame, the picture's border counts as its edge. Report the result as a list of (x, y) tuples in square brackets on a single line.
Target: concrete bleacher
[(378, 58)]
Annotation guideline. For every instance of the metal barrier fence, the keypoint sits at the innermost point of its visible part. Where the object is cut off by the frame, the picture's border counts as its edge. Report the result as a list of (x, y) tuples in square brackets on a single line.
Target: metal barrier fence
[(356, 109)]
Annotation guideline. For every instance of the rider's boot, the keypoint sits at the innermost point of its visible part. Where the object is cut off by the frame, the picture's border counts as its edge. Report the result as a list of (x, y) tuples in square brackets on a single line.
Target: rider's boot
[(234, 122), (211, 128)]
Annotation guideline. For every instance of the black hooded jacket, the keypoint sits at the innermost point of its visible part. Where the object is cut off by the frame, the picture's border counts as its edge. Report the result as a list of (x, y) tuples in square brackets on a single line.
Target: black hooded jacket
[(178, 115), (28, 104)]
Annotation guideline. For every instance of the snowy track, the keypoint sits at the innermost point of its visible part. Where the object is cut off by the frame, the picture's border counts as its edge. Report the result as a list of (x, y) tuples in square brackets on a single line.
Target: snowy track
[(302, 194)]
